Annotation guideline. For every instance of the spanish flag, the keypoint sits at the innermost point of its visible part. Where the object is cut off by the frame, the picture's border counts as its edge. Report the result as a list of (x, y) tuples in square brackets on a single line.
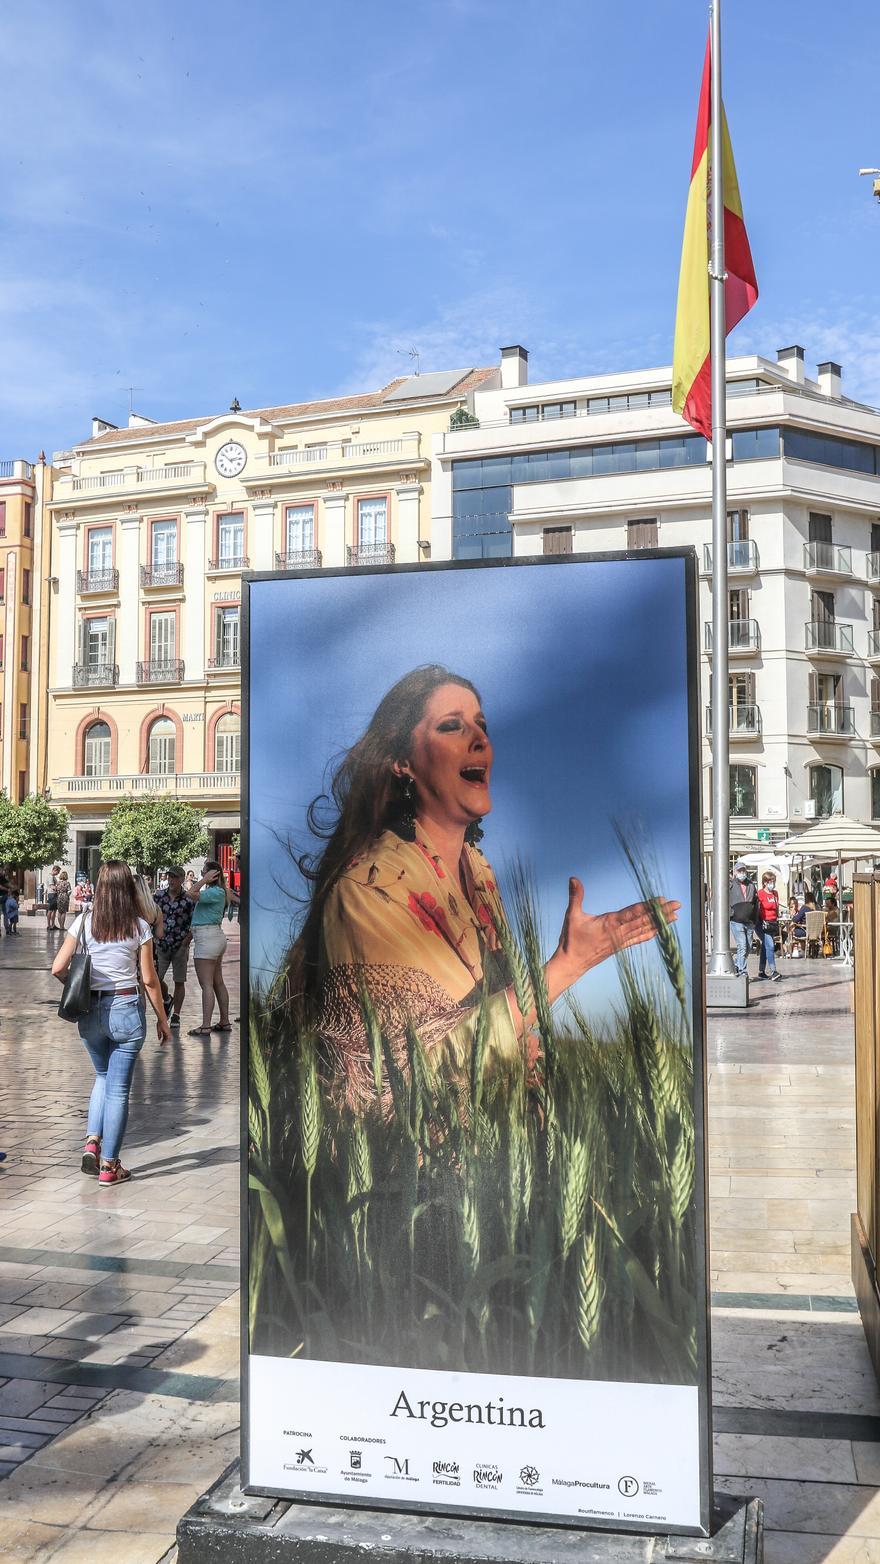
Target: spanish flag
[(691, 371)]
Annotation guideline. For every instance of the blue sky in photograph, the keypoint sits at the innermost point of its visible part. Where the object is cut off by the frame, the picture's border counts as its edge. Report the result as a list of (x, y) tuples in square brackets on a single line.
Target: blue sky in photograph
[(586, 706), (277, 201)]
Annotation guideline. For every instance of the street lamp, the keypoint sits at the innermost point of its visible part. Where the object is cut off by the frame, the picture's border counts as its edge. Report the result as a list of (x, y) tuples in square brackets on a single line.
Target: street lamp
[(873, 173)]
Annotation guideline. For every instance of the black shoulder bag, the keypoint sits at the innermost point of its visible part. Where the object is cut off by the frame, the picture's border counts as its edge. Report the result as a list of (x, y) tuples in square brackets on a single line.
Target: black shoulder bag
[(76, 1000)]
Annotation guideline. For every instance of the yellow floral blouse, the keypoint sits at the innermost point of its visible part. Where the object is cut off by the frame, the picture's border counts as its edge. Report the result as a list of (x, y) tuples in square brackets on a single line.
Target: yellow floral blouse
[(398, 924)]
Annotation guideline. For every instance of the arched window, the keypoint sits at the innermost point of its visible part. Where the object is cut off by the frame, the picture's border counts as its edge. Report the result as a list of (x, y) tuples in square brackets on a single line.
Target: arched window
[(227, 743), (161, 748), (826, 789), (743, 791), (96, 751)]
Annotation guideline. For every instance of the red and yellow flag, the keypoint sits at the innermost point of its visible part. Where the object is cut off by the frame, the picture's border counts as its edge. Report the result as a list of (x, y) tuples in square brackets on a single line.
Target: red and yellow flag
[(691, 371)]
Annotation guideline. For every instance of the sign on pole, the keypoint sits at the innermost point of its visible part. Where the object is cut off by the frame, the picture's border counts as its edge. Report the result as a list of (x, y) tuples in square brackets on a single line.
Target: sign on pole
[(475, 1263)]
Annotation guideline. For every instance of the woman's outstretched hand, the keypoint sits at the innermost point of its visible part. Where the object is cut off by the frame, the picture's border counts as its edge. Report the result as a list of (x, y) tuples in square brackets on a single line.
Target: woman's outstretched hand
[(586, 940)]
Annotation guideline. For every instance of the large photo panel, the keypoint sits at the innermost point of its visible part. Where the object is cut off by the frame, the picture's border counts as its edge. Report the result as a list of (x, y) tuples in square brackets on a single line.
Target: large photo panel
[(475, 1257)]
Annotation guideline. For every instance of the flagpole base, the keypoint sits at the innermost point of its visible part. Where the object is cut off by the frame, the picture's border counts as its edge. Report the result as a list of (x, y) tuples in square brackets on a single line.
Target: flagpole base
[(727, 991)]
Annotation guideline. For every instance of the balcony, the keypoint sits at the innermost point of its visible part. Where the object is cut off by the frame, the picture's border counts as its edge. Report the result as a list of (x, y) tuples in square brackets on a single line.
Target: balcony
[(827, 559), (87, 676), (97, 581), (742, 558), (828, 637), (226, 784), (339, 454), (832, 720), (160, 670), (70, 489), (162, 576), (230, 562), (743, 637), (301, 559), (745, 721), (872, 566), (16, 469), (225, 660), (372, 554)]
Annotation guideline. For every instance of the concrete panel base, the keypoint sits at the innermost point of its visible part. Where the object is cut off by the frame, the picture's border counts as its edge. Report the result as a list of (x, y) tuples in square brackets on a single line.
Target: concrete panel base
[(727, 993), (227, 1526)]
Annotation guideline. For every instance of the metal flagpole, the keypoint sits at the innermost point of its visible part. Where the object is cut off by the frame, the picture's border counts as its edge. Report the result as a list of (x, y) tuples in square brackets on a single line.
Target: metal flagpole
[(720, 962)]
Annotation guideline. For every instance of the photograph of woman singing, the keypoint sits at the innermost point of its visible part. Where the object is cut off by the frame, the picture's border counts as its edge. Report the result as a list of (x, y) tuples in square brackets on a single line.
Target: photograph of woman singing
[(471, 1108)]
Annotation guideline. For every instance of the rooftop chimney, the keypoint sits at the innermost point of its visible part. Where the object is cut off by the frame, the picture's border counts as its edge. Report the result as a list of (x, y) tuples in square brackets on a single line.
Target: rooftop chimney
[(514, 368), (101, 426), (829, 379), (139, 420), (792, 361)]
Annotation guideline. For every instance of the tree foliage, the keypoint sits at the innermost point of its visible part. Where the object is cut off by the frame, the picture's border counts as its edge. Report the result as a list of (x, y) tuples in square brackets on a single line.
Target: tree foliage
[(153, 832), (32, 833)]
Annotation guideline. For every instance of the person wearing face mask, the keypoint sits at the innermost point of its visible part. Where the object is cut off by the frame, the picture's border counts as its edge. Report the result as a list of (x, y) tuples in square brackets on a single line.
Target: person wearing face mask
[(743, 914), (768, 902)]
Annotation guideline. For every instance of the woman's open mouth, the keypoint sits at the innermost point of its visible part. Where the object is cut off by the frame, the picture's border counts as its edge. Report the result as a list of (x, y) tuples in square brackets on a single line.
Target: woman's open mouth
[(476, 775)]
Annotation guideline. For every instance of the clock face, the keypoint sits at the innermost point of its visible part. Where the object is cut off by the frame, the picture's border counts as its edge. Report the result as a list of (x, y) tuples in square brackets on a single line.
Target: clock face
[(231, 459)]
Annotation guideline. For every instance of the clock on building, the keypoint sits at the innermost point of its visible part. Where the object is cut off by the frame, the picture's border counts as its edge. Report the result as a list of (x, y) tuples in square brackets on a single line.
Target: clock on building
[(230, 459)]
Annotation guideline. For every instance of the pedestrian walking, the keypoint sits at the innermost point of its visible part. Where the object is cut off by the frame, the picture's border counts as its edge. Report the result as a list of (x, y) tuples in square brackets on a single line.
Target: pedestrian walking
[(768, 927), (171, 949), (117, 938), (52, 897), (743, 904), (63, 894), (211, 897), (83, 894), (10, 911)]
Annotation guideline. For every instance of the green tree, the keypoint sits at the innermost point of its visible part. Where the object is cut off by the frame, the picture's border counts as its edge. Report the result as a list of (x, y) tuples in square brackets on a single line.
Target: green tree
[(32, 833), (153, 832)]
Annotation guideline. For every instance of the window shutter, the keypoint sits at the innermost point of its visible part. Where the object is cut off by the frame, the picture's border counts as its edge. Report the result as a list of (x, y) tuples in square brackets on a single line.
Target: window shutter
[(557, 540), (814, 689), (218, 634), (111, 640), (81, 642), (875, 537), (820, 528), (875, 694)]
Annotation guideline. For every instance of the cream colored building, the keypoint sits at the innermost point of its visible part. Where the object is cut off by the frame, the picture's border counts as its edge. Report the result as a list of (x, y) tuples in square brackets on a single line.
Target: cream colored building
[(147, 531), (18, 523)]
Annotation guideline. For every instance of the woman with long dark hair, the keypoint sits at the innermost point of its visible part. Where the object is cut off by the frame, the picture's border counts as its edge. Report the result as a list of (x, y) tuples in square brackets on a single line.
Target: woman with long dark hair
[(405, 908), (117, 939)]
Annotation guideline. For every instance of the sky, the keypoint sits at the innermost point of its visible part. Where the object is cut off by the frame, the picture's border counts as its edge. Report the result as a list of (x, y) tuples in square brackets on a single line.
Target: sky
[(573, 708), (279, 201)]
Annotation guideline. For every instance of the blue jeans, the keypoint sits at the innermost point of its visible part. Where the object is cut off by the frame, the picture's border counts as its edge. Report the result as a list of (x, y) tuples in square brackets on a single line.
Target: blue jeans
[(742, 935), (113, 1032), (768, 953)]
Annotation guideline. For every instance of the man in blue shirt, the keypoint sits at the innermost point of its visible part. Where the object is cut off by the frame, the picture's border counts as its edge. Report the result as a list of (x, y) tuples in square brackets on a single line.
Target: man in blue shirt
[(172, 950)]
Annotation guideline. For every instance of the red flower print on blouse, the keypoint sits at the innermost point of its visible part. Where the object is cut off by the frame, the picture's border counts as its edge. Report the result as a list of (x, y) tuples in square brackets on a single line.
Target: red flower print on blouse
[(433, 860), (429, 913)]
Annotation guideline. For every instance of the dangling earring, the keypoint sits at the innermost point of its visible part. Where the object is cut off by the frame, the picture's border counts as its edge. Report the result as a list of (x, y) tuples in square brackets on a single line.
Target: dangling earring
[(474, 832), (406, 826)]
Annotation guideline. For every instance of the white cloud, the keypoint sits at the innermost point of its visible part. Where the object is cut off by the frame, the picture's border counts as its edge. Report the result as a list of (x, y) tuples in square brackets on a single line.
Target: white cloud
[(848, 332)]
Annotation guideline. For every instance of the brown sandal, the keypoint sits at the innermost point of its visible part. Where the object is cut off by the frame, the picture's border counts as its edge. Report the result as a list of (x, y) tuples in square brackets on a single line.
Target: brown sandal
[(113, 1173), (91, 1154)]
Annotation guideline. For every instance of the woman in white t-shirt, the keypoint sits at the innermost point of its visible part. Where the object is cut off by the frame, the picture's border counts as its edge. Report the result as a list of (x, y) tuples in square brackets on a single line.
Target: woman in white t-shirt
[(113, 1031)]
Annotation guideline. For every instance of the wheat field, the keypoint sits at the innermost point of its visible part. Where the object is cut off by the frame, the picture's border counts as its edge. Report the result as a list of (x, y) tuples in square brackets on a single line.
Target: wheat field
[(531, 1222)]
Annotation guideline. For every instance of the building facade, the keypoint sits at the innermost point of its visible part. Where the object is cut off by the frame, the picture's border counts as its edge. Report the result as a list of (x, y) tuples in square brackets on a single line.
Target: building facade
[(149, 528), (18, 586), (602, 463)]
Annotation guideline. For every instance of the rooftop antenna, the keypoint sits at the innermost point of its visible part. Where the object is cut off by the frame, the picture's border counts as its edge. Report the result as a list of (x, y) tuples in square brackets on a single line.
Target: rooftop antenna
[(873, 173), (131, 391), (412, 353)]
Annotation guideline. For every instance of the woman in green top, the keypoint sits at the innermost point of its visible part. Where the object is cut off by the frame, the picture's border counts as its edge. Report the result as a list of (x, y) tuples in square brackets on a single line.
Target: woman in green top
[(211, 896)]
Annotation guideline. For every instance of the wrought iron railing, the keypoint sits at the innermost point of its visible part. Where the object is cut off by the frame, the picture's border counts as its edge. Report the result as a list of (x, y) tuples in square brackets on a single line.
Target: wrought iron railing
[(97, 581), (85, 675), (299, 559), (160, 670), (372, 554), (162, 575)]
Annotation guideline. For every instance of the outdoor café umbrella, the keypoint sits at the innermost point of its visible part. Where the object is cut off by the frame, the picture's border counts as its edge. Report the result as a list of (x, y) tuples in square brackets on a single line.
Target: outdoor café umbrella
[(835, 837)]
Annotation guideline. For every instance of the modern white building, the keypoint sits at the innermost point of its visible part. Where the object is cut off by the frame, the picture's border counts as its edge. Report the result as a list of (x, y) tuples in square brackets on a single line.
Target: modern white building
[(601, 462)]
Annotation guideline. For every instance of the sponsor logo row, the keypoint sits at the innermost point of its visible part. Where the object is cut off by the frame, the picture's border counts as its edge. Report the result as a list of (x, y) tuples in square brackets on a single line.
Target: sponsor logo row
[(486, 1475)]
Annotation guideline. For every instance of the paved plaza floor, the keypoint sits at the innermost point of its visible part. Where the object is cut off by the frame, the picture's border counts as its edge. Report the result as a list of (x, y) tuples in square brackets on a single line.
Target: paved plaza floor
[(119, 1306)]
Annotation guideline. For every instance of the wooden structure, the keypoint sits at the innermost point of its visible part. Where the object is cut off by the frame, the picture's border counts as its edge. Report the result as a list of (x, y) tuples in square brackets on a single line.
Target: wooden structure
[(866, 1218)]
